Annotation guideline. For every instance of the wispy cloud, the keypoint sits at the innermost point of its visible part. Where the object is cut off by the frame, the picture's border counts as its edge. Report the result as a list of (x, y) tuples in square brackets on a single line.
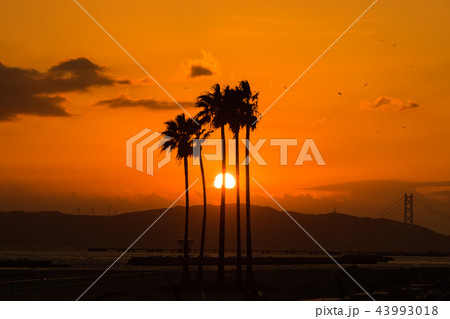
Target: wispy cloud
[(124, 100), (389, 104), (321, 122)]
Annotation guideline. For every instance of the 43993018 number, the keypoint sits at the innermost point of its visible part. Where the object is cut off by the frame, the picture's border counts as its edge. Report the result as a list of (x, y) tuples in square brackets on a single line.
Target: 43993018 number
[(407, 310)]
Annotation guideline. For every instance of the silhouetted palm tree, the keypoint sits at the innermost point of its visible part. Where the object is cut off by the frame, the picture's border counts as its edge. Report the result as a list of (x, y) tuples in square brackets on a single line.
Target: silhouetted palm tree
[(215, 112), (250, 116), (234, 98), (179, 137), (202, 134)]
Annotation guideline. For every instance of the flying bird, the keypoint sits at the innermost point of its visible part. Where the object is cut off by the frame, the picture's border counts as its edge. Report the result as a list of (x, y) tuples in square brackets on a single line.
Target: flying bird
[(339, 93), (366, 84)]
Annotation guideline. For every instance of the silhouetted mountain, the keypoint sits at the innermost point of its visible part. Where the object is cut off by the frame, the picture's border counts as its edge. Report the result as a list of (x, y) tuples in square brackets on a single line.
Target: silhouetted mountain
[(369, 198), (272, 230)]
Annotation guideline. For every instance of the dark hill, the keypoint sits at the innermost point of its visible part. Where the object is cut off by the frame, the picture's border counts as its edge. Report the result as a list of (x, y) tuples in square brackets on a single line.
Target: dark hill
[(272, 230)]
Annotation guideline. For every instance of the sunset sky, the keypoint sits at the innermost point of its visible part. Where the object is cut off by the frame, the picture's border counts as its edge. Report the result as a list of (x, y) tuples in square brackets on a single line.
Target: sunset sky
[(70, 98)]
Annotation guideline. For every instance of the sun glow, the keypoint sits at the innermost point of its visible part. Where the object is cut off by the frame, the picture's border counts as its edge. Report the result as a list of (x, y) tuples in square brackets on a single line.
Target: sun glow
[(229, 181)]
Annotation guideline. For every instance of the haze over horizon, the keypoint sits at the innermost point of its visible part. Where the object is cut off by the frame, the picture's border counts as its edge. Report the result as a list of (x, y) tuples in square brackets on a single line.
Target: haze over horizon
[(350, 198)]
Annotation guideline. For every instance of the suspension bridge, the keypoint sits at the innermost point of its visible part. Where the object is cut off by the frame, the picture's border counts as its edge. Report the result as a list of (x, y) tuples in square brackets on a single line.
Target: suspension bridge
[(408, 201)]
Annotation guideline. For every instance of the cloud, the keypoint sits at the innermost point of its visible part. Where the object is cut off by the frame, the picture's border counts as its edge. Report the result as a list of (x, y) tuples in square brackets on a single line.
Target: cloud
[(206, 66), (124, 101), (199, 70), (321, 122), (389, 104), (28, 91)]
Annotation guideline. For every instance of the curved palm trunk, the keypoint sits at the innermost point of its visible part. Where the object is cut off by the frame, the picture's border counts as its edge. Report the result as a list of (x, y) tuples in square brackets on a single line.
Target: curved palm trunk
[(249, 275), (186, 278), (202, 242), (238, 215), (221, 259)]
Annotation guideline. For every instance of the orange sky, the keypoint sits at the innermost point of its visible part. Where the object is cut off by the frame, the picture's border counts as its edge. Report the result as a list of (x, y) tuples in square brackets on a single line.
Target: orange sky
[(400, 48)]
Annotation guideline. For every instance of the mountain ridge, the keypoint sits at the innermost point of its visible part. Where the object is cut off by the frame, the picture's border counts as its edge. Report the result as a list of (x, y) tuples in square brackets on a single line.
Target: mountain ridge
[(271, 230)]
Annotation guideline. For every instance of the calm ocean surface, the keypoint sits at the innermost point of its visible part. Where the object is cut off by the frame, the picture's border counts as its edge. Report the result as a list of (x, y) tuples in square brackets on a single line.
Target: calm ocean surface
[(98, 260)]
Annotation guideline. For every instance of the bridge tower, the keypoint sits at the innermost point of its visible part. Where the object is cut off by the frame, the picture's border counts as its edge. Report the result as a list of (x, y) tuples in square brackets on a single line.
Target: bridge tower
[(408, 214), (408, 223)]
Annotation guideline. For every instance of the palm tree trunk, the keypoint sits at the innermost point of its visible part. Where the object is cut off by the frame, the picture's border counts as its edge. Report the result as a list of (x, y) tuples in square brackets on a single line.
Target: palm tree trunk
[(249, 276), (202, 242), (221, 259), (186, 278), (238, 215)]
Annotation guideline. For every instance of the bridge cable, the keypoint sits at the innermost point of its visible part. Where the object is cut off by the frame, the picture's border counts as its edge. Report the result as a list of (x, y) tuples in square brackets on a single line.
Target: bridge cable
[(389, 208), (431, 209)]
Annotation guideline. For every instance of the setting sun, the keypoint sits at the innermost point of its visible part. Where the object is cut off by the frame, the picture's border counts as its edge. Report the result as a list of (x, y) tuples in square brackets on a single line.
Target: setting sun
[(229, 181)]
